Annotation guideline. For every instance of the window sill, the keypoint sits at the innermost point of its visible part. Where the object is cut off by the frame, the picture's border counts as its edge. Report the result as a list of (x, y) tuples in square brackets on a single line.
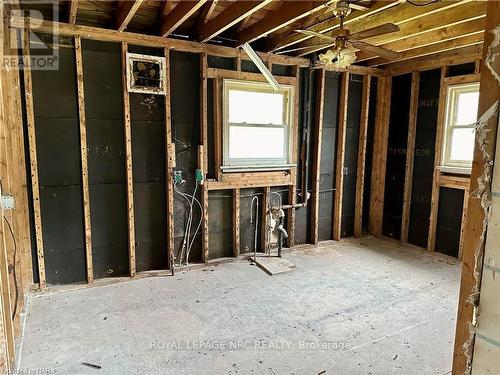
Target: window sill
[(454, 170), (263, 168)]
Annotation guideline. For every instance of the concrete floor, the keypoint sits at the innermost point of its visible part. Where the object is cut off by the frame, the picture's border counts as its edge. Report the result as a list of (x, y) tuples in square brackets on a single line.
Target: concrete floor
[(358, 306)]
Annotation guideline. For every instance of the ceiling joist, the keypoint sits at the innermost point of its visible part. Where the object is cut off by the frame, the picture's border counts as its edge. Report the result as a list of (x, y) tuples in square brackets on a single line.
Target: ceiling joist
[(232, 15), (205, 15), (126, 11), (288, 13), (176, 17), (72, 11)]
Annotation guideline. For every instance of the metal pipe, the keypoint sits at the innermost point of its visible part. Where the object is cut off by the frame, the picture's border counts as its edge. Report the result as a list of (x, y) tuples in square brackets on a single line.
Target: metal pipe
[(256, 199)]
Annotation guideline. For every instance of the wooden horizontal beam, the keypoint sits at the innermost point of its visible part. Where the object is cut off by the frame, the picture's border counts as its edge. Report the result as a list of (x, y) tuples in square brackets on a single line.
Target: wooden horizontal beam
[(109, 35), (287, 13), (126, 11), (283, 41), (250, 179), (431, 37), (432, 49), (235, 13), (454, 182), (453, 57), (233, 74), (176, 17)]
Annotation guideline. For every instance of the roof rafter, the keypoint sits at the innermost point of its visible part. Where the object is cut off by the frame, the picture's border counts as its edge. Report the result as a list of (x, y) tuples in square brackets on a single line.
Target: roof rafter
[(182, 11), (205, 15), (288, 12), (72, 11), (235, 13), (433, 49), (399, 15), (126, 11), (283, 41), (431, 37)]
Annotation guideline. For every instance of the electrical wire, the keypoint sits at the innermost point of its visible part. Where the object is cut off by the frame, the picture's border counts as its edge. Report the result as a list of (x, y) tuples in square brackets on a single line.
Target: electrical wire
[(14, 312), (422, 4)]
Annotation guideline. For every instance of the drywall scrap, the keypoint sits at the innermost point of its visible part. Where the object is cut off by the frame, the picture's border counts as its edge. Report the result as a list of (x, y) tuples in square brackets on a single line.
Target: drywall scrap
[(483, 192)]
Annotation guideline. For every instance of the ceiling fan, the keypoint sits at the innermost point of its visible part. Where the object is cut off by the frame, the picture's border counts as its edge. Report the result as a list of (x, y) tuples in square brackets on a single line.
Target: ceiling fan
[(344, 44)]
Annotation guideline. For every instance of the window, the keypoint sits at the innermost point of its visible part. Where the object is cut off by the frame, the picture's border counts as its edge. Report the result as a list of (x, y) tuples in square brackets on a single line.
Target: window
[(257, 123), (461, 114)]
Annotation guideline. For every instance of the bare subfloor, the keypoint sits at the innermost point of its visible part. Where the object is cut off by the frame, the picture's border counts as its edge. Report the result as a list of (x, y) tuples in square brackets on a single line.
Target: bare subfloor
[(351, 307)]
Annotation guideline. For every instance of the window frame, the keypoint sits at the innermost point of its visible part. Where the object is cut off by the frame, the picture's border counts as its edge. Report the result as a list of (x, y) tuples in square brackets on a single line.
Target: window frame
[(452, 93), (231, 164)]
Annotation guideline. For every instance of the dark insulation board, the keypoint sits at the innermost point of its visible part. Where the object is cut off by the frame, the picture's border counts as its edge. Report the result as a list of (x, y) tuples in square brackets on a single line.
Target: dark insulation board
[(449, 221), (351, 154), (306, 113), (221, 62), (220, 223), (59, 170), (249, 220), (461, 69), (423, 163), (370, 134), (147, 114), (106, 157), (328, 155), (185, 108), (396, 156)]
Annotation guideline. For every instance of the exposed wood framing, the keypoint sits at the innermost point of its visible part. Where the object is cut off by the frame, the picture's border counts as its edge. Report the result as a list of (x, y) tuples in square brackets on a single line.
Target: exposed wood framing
[(473, 245), (108, 35), (280, 42), (236, 222), (229, 17), (316, 155), (292, 199), (84, 164), (128, 164), (170, 163), (360, 174), (431, 240), (250, 180), (339, 162), (217, 102), (233, 74), (410, 155), (454, 182), (126, 11), (288, 13), (72, 11), (380, 155), (176, 17), (264, 233), (456, 56), (462, 224), (202, 153), (205, 15), (35, 187)]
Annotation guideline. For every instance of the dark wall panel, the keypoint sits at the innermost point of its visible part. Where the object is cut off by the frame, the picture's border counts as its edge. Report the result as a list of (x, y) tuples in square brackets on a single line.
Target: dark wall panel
[(449, 221), (59, 170), (370, 135), (461, 69), (396, 155), (351, 154), (185, 105), (106, 157), (220, 223), (423, 164), (147, 114), (247, 221), (328, 155)]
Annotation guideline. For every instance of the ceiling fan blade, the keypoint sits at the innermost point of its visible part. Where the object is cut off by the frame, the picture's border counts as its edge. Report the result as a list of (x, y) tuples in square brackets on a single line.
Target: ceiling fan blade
[(314, 33), (379, 51), (356, 6), (301, 48), (375, 31)]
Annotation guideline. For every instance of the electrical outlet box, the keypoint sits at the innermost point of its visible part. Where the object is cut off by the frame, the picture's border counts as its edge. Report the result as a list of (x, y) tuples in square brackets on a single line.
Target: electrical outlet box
[(198, 174), (7, 202), (177, 177)]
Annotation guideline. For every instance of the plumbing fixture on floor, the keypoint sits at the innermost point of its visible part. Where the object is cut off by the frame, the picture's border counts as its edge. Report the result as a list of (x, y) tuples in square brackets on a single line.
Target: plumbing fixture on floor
[(256, 200)]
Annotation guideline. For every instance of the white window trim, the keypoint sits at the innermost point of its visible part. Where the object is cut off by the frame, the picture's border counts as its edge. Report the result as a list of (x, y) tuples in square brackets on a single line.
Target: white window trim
[(161, 61), (231, 164), (448, 165)]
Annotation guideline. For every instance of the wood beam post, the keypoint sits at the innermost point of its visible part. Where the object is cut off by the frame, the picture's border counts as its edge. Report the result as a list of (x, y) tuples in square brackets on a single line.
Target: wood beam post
[(380, 143), (339, 162), (128, 164), (475, 227), (410, 155), (35, 186), (236, 222), (360, 174), (84, 163), (202, 158), (316, 155)]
